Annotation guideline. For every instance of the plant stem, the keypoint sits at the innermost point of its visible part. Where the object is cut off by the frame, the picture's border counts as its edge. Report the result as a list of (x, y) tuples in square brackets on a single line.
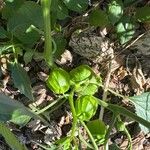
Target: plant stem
[(129, 138), (15, 54), (46, 4), (50, 105), (85, 143), (121, 110), (114, 117), (71, 102), (90, 135)]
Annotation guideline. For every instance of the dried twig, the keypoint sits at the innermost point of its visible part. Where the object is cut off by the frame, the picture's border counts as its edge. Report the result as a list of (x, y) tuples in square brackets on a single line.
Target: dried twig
[(106, 84)]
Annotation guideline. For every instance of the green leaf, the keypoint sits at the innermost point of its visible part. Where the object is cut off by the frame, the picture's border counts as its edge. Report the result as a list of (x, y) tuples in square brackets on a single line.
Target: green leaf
[(21, 80), (19, 118), (11, 7), (114, 147), (97, 128), (115, 10), (125, 30), (10, 138), (9, 108), (143, 14), (123, 111), (142, 106), (62, 11), (98, 18), (127, 3), (64, 142), (58, 81), (76, 5), (3, 33), (60, 42), (80, 73), (86, 107), (29, 13), (28, 56), (120, 125), (5, 48)]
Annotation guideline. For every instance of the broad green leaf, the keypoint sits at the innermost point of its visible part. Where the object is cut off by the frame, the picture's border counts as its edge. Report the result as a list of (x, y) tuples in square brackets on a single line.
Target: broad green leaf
[(19, 118), (62, 11), (10, 108), (97, 128), (28, 56), (98, 18), (143, 14), (10, 138), (142, 106), (115, 10), (123, 111), (60, 42), (125, 30), (21, 80), (80, 73), (86, 107), (29, 13), (3, 33), (11, 6), (58, 81), (76, 5)]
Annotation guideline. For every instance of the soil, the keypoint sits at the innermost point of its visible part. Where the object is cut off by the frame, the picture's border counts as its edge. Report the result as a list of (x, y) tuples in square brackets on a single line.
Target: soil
[(131, 77)]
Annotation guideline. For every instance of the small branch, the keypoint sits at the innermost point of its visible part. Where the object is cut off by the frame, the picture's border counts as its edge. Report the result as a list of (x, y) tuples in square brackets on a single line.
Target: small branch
[(71, 102), (105, 88)]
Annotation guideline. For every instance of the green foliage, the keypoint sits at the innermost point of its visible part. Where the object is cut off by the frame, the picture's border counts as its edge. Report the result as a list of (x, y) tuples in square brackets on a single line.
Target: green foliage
[(11, 7), (20, 118), (3, 33), (143, 14), (61, 43), (120, 125), (64, 143), (86, 107), (76, 5), (28, 56), (5, 49), (10, 138), (142, 106), (11, 110), (60, 9), (98, 18), (21, 80), (97, 128), (58, 81), (29, 13), (115, 10), (125, 30), (24, 27)]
